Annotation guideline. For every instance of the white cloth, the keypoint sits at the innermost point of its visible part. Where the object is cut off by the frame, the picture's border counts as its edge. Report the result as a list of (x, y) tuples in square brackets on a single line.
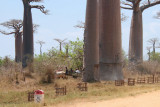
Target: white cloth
[(77, 71)]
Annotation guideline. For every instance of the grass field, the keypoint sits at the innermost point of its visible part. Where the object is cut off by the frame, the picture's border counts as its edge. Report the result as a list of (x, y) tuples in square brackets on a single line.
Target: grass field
[(13, 95)]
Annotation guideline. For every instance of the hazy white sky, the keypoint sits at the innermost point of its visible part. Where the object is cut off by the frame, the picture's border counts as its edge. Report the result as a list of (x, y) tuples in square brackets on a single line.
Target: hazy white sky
[(64, 14)]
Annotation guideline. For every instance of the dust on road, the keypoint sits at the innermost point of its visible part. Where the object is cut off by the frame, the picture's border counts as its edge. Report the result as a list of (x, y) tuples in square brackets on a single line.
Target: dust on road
[(151, 99)]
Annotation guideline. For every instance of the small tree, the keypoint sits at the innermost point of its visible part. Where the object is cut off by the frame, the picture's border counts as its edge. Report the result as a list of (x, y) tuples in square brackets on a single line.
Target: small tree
[(40, 43), (149, 53), (60, 43), (153, 42), (66, 46)]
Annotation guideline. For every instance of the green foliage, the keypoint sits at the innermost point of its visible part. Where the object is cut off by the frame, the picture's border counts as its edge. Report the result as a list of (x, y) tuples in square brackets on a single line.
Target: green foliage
[(6, 62), (124, 59), (155, 56), (1, 61), (71, 56), (76, 53)]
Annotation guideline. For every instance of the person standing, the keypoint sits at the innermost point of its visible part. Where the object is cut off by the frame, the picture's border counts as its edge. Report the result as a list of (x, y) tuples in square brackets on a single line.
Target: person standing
[(66, 71)]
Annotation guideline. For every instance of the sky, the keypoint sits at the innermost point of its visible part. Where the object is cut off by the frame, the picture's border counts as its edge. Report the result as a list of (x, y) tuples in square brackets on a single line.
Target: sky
[(63, 16)]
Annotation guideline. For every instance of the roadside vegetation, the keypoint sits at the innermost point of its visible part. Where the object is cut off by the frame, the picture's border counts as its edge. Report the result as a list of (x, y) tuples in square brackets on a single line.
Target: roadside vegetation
[(16, 82)]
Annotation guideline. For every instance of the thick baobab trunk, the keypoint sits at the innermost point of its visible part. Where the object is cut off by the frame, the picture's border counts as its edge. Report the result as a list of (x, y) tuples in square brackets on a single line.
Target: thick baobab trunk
[(96, 66), (90, 41), (136, 38), (27, 36), (18, 47), (110, 46)]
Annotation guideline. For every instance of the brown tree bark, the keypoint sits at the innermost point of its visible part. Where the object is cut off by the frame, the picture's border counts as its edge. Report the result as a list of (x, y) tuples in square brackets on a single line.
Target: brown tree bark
[(136, 31), (90, 41), (110, 48), (27, 35), (18, 47), (16, 26), (136, 37)]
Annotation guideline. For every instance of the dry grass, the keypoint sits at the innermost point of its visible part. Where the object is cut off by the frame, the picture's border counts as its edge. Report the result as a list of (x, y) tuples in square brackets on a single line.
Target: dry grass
[(16, 95)]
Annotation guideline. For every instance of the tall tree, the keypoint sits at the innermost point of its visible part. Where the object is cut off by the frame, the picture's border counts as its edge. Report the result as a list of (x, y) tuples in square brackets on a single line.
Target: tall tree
[(110, 46), (60, 43), (90, 40), (136, 30), (41, 44), (16, 27), (28, 51)]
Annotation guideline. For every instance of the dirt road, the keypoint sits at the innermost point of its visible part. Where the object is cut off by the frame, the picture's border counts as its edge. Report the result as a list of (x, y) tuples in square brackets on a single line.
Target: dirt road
[(145, 100)]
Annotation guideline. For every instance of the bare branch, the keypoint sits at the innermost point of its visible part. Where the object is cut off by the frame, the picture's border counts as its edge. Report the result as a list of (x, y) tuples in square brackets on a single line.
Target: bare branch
[(150, 5), (35, 0), (5, 33), (126, 8), (153, 40), (126, 3), (15, 25), (80, 25), (35, 26), (138, 1), (64, 40), (41, 8), (59, 40), (130, 0), (40, 42)]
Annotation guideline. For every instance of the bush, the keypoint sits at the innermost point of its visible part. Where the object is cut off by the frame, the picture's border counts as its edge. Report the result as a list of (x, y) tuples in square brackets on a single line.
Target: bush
[(149, 67)]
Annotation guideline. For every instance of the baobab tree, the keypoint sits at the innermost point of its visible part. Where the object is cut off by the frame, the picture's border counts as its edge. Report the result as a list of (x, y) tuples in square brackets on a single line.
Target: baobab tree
[(149, 53), (66, 45), (41, 44), (90, 40), (136, 30), (28, 50), (16, 29), (153, 42), (110, 45), (60, 43)]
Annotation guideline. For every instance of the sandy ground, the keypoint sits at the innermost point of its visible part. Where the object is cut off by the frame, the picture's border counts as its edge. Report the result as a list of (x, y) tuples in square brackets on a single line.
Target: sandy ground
[(145, 100)]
